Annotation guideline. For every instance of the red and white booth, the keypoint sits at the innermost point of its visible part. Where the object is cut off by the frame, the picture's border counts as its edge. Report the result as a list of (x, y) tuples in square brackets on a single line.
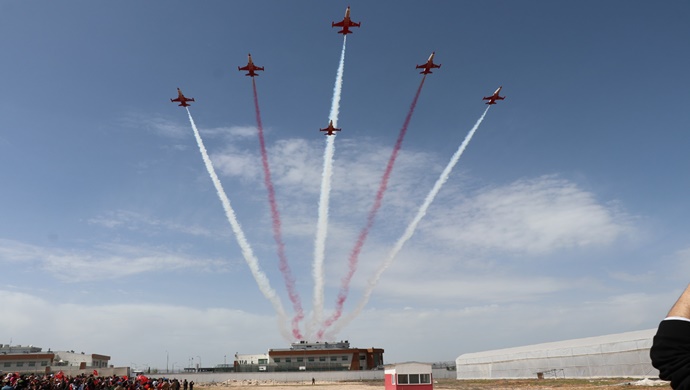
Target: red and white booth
[(409, 376)]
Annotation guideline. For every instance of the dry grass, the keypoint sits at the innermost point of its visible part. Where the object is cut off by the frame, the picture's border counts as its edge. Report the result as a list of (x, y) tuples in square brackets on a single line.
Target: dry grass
[(538, 384), (451, 384)]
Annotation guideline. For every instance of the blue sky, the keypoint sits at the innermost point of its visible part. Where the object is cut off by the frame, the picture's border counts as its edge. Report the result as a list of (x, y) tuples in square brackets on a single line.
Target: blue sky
[(565, 217)]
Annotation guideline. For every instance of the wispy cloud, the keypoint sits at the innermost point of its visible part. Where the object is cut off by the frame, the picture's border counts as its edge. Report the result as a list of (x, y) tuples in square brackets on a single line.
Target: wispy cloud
[(234, 132), (296, 167), (178, 129), (533, 216), (109, 261), (179, 330), (157, 124), (236, 163), (144, 223), (473, 287)]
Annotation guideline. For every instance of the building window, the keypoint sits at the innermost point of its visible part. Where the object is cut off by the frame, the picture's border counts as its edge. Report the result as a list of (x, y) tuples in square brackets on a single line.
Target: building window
[(333, 358), (288, 360), (322, 359), (44, 363), (277, 360), (299, 360), (414, 379), (32, 364), (343, 358), (362, 357), (8, 364), (311, 359), (263, 361), (20, 364)]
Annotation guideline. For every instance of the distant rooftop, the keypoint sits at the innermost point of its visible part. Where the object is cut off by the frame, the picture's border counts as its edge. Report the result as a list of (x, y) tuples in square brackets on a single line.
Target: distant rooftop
[(305, 345), (7, 348)]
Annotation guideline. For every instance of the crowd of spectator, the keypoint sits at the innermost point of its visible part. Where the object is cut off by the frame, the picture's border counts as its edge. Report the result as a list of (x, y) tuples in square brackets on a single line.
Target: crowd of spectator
[(59, 381)]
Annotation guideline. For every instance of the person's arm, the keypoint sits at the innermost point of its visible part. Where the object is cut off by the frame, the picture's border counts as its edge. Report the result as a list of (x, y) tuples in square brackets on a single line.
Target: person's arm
[(682, 306), (670, 352)]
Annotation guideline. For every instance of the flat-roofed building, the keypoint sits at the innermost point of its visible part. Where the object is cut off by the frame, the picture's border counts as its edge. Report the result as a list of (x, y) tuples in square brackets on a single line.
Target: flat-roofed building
[(409, 376), (319, 356), (24, 359), (81, 359), (251, 362), (30, 359), (325, 356), (609, 356)]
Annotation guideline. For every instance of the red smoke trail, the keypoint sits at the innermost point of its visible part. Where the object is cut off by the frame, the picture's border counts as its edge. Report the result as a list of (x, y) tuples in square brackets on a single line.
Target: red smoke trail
[(354, 255), (277, 235)]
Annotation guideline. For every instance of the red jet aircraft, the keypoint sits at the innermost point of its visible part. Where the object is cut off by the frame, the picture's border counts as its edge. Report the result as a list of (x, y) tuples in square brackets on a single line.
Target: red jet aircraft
[(330, 129), (492, 99), (251, 68), (182, 99), (346, 23), (429, 65)]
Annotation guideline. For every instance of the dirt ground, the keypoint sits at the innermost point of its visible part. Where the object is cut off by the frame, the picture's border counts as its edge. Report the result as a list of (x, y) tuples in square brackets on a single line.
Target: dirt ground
[(452, 384)]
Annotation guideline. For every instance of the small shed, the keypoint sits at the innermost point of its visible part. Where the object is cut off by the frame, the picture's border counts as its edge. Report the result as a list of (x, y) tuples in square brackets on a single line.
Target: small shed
[(409, 376)]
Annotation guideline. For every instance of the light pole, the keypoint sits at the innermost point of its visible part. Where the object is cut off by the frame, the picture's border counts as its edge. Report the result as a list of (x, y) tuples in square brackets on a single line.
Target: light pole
[(167, 358), (198, 368)]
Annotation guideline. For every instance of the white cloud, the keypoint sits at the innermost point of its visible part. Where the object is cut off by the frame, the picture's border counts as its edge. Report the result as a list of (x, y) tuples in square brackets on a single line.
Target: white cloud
[(232, 133), (240, 164), (471, 288), (243, 131), (109, 261), (534, 216), (632, 278), (296, 169), (210, 333), (158, 125), (179, 129), (144, 223), (453, 330)]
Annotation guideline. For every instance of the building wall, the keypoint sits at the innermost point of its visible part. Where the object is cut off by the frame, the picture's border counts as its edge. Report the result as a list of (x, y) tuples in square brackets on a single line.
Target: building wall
[(25, 362), (422, 372), (252, 359), (251, 362), (73, 359), (619, 355), (30, 359), (352, 359)]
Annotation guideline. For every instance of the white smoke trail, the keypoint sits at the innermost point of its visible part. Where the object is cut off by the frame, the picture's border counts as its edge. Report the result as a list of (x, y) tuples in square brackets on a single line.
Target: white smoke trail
[(250, 258), (410, 229), (322, 223), (338, 87)]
